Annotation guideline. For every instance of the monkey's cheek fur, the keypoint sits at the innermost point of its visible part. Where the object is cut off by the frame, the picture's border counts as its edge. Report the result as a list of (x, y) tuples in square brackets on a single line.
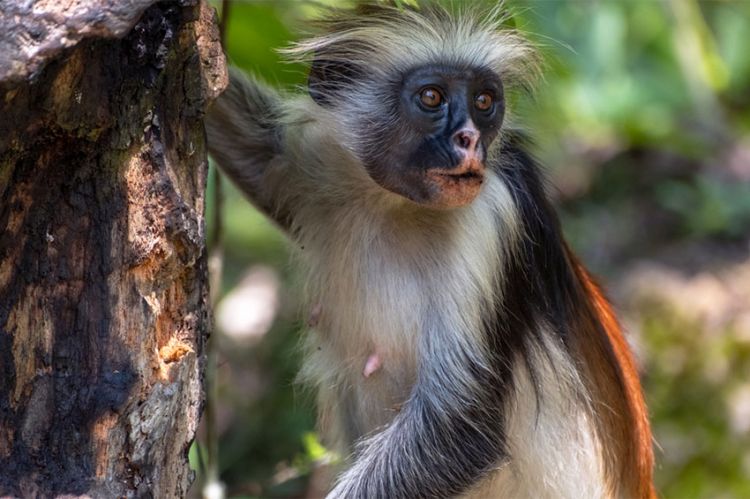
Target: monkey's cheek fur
[(456, 187)]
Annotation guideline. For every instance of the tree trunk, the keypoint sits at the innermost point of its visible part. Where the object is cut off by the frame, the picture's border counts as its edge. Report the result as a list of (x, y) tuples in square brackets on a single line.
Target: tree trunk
[(103, 283)]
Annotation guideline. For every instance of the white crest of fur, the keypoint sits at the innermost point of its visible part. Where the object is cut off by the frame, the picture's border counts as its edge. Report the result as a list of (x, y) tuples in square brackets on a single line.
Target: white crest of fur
[(428, 34)]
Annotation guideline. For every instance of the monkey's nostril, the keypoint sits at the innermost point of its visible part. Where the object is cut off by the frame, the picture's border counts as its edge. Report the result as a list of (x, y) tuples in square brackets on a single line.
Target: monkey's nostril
[(466, 139)]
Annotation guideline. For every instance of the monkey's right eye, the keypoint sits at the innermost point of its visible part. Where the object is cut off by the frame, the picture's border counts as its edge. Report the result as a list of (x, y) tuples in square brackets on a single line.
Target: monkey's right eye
[(430, 97)]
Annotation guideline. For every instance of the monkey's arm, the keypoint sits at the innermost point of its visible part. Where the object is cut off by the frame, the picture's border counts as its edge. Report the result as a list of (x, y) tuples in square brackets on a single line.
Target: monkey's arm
[(447, 436), (245, 138)]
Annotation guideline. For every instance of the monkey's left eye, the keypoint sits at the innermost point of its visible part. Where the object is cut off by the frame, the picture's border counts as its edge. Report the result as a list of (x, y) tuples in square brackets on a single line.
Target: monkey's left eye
[(483, 101)]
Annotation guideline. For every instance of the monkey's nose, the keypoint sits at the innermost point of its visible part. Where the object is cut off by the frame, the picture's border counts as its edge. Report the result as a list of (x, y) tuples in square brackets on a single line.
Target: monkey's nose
[(466, 139)]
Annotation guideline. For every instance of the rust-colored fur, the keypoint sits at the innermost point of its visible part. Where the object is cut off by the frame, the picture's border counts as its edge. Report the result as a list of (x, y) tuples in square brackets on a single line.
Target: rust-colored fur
[(621, 414)]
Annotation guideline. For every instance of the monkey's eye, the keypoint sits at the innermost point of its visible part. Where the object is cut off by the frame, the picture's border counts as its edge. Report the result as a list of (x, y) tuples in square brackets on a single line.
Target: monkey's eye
[(430, 97), (483, 101)]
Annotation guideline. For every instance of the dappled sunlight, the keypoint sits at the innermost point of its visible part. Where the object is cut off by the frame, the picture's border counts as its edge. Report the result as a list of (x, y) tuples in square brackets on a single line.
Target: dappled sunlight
[(247, 312)]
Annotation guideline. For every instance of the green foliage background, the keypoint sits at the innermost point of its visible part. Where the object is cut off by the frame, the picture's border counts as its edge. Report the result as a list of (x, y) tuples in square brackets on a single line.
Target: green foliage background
[(643, 120)]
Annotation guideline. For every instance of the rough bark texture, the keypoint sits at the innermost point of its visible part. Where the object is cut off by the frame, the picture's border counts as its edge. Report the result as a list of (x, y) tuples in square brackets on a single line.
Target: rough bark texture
[(103, 285)]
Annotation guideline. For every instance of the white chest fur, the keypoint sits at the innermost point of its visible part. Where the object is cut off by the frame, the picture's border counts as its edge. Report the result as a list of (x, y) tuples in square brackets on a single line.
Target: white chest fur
[(380, 277)]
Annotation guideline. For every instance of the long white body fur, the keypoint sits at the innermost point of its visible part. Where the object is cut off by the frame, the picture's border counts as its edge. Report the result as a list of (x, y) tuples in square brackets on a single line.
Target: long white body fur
[(554, 449)]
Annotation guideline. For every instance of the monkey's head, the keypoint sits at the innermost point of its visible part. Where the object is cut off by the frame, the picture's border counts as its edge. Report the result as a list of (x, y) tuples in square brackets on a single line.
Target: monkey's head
[(418, 93)]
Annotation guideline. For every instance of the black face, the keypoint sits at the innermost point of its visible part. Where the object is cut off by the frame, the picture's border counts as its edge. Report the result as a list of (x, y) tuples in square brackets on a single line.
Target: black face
[(442, 122)]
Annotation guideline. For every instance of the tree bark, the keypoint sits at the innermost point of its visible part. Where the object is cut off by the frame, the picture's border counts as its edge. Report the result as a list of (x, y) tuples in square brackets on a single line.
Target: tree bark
[(103, 281)]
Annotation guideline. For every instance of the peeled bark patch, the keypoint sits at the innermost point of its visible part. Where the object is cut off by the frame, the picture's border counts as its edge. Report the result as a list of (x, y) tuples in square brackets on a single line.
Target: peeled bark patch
[(35, 32), (103, 285)]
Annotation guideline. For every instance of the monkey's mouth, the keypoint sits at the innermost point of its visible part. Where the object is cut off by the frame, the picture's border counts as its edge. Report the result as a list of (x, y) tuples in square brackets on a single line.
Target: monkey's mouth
[(463, 176), (456, 186)]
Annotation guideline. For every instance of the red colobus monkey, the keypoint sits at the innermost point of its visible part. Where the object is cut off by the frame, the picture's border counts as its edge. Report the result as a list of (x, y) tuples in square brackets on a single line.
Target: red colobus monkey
[(460, 348)]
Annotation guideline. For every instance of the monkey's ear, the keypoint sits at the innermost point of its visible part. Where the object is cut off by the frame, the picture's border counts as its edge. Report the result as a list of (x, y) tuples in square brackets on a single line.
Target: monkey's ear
[(328, 78)]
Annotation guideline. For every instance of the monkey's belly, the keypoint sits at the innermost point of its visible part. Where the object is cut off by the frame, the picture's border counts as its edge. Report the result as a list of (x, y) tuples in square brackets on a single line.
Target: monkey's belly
[(366, 407), (351, 405)]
